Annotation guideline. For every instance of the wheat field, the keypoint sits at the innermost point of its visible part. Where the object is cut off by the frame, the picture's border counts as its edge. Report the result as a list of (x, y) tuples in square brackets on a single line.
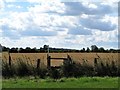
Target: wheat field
[(77, 57)]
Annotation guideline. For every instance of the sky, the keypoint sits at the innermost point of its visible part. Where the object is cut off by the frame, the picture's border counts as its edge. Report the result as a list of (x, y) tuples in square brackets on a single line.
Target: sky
[(58, 23)]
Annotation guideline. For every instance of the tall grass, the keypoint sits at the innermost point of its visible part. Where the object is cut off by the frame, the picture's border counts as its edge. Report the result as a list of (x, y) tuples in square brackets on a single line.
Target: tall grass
[(72, 69), (21, 69), (68, 69), (7, 70)]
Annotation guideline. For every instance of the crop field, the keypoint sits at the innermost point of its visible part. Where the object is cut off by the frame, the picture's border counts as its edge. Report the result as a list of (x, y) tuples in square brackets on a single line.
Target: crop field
[(77, 57)]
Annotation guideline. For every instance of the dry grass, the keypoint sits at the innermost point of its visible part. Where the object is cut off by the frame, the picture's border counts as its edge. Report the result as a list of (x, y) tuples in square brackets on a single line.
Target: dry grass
[(77, 57)]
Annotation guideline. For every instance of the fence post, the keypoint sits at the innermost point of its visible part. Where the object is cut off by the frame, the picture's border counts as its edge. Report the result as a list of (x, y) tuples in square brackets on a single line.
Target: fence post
[(95, 65), (48, 62), (9, 59), (69, 59), (95, 61), (38, 63)]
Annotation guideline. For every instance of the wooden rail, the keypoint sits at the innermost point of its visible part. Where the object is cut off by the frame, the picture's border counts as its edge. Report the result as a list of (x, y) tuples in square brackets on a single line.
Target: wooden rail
[(59, 58), (49, 61)]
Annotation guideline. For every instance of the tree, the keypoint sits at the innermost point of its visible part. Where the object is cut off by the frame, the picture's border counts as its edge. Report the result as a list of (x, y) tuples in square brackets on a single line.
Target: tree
[(83, 50), (5, 48), (45, 47), (94, 48), (112, 50), (21, 50), (27, 49), (34, 50), (88, 50), (41, 49), (13, 50), (101, 49)]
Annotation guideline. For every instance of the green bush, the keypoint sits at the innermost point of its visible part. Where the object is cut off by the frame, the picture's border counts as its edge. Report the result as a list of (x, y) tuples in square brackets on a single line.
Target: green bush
[(54, 73), (72, 69), (7, 70), (41, 72), (23, 69), (105, 69)]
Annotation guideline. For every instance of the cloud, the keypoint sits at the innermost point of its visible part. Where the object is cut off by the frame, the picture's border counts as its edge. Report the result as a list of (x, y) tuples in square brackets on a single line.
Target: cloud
[(48, 7), (103, 36), (35, 24), (77, 8), (38, 32), (97, 23), (13, 6), (21, 25), (16, 6), (2, 6), (24, 42), (74, 8), (79, 30), (108, 45), (59, 24), (10, 32)]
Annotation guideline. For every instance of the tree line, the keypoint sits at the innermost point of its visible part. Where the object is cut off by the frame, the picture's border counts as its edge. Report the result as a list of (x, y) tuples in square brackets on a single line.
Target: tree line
[(44, 49)]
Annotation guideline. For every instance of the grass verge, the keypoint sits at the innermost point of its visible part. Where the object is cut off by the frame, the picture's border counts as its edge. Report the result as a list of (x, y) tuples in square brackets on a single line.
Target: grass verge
[(82, 82)]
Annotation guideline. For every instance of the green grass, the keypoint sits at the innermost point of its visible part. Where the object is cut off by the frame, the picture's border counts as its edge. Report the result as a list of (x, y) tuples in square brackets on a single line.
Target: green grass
[(83, 82)]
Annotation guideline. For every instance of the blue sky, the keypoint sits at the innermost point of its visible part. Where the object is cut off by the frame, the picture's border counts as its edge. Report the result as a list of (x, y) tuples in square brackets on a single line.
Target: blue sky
[(62, 24)]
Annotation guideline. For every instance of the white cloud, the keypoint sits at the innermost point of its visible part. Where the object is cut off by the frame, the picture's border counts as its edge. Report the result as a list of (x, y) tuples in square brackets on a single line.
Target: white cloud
[(50, 7), (50, 22), (111, 36), (95, 22), (86, 1), (112, 19), (92, 6), (9, 6), (13, 6), (12, 1), (2, 5), (39, 1), (84, 16)]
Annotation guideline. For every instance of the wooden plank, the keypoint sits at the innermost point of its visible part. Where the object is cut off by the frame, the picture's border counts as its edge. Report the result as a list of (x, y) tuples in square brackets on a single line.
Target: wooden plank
[(59, 58)]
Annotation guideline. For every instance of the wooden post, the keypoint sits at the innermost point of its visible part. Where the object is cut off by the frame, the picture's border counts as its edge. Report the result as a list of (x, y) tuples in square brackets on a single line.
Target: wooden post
[(48, 58), (48, 62), (69, 59), (9, 59), (48, 49), (95, 61), (95, 64), (38, 63)]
